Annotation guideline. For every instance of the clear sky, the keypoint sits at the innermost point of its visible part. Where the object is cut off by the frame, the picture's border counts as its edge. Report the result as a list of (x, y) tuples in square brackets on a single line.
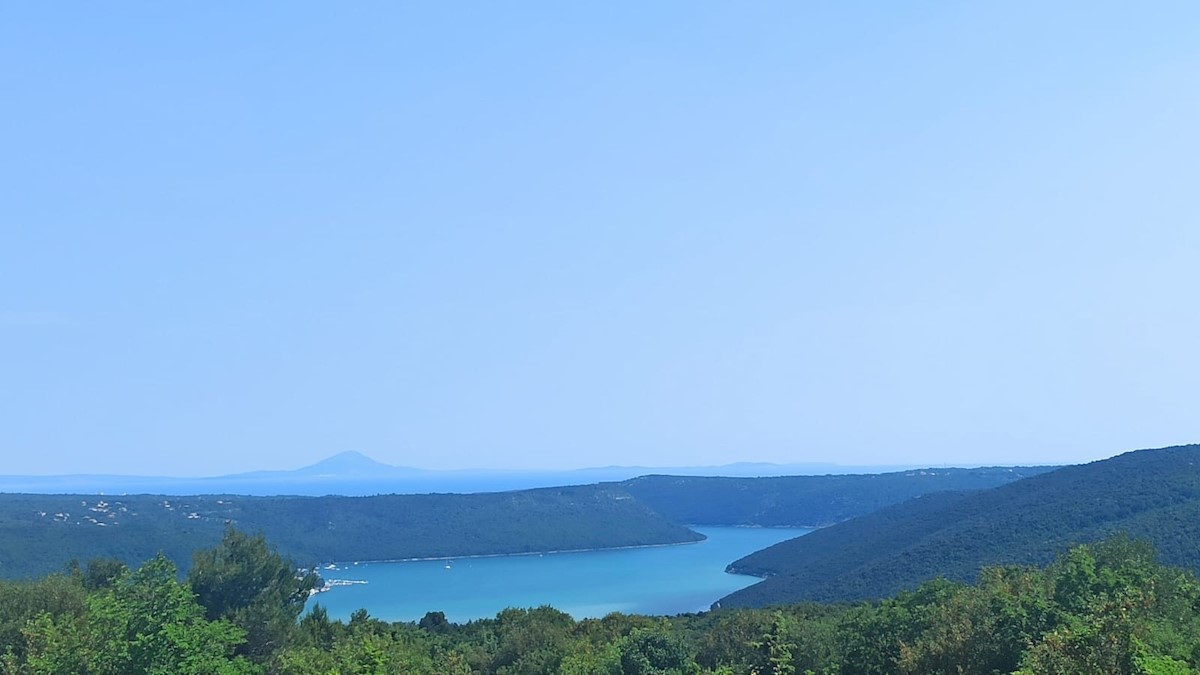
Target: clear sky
[(242, 235)]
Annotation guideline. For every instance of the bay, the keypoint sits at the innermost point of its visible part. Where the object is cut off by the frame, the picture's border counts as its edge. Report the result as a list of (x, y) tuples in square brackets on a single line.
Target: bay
[(655, 580)]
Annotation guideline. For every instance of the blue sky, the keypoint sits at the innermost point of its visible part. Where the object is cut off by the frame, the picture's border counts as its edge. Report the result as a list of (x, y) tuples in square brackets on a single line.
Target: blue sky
[(251, 235)]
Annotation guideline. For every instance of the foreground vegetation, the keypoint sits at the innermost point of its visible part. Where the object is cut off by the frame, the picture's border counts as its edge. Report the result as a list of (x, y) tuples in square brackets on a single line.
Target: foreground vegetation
[(1109, 608)]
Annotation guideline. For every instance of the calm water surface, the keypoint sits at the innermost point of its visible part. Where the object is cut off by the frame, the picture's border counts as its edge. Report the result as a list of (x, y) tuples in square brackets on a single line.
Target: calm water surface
[(660, 580)]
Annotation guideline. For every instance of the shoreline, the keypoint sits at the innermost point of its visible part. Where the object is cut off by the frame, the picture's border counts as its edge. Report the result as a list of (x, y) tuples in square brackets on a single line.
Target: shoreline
[(343, 565), (760, 527)]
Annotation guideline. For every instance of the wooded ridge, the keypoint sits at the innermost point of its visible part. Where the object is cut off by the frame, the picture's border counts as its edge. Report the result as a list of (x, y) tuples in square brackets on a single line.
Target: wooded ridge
[(1150, 494), (41, 533), (805, 501)]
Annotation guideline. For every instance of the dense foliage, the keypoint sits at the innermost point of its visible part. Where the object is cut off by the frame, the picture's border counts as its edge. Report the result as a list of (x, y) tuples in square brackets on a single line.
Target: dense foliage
[(1104, 609), (40, 533), (805, 501), (1151, 494)]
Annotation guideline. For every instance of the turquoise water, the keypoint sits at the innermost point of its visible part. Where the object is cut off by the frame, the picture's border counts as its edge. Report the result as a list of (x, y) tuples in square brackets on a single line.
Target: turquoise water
[(659, 580)]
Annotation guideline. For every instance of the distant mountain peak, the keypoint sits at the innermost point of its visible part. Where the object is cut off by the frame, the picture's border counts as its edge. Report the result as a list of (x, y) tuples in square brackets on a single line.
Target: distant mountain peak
[(348, 462)]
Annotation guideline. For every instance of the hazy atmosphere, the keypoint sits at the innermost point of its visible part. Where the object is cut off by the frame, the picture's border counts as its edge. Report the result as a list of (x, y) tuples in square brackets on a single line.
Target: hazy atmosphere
[(240, 236)]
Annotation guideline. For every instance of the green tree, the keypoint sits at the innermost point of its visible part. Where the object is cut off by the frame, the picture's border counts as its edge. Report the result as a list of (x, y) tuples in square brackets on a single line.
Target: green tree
[(1118, 612), (250, 584), (316, 629), (655, 652), (729, 639), (58, 595), (776, 647), (145, 623), (103, 572), (434, 622), (589, 659), (532, 641)]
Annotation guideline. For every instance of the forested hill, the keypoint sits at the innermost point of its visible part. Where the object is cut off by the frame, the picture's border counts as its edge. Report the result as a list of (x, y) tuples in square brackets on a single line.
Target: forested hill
[(41, 533), (1150, 494), (804, 500)]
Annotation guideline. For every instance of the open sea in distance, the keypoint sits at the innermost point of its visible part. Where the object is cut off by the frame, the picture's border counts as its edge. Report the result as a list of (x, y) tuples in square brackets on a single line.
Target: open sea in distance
[(655, 580)]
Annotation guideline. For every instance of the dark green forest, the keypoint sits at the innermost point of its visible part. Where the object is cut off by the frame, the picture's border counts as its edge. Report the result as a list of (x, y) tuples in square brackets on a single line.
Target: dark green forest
[(805, 501), (40, 533), (1104, 609), (1150, 494)]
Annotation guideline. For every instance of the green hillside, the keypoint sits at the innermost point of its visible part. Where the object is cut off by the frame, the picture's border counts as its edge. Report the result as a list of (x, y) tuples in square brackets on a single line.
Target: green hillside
[(1151, 494), (812, 501), (41, 533)]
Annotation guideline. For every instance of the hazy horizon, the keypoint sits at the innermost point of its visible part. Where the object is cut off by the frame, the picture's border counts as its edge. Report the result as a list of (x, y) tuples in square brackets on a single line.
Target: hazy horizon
[(561, 469), (247, 236)]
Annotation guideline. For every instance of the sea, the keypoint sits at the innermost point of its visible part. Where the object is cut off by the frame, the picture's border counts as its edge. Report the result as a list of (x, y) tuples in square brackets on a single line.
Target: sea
[(658, 580)]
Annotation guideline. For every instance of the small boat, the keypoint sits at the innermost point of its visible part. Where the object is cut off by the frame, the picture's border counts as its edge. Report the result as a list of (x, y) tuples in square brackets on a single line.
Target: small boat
[(448, 564)]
